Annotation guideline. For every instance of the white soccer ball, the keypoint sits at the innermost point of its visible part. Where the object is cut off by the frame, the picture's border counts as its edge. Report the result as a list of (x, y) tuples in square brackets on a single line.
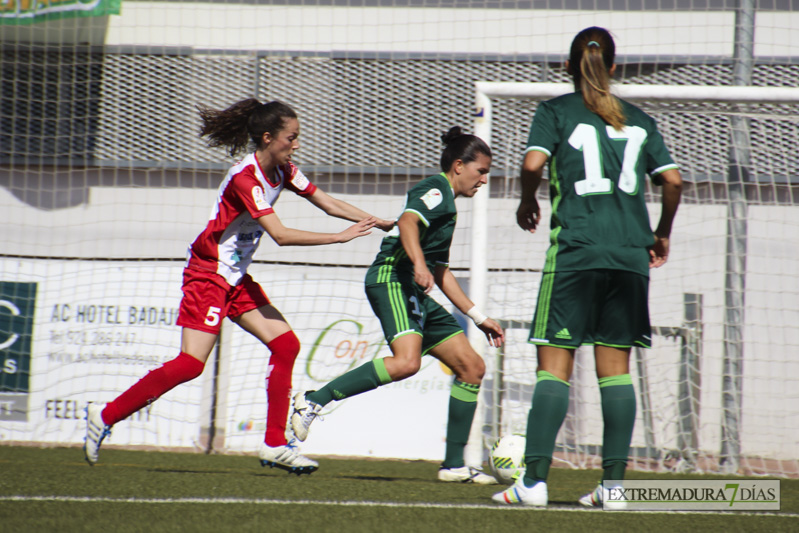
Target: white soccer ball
[(506, 458)]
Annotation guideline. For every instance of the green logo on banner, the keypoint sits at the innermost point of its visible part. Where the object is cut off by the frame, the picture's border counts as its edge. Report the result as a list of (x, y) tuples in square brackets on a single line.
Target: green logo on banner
[(17, 306), (19, 12)]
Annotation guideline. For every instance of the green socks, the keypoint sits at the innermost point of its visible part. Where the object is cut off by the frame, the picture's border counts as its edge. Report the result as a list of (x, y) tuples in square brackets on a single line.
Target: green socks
[(462, 405), (550, 404), (361, 379), (618, 413)]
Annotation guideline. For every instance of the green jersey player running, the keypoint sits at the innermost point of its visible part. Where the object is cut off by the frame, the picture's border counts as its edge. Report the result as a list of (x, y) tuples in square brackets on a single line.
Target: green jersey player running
[(412, 258), (595, 280)]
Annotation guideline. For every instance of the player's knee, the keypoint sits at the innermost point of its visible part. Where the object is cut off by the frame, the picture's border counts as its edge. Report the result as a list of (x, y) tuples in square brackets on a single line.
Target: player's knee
[(292, 344), (480, 369), (181, 369), (194, 372), (286, 347), (473, 370), (406, 368)]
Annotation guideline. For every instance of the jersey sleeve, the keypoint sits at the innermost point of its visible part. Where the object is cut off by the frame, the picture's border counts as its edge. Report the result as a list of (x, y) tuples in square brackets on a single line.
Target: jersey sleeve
[(296, 181), (426, 200), (543, 133), (658, 158), (248, 190)]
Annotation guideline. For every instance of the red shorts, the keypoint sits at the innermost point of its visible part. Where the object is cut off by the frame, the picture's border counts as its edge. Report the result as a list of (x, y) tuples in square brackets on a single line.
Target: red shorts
[(207, 299)]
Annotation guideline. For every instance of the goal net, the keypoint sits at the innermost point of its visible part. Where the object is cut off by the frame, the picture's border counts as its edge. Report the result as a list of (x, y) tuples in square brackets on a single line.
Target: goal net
[(713, 393), (104, 183)]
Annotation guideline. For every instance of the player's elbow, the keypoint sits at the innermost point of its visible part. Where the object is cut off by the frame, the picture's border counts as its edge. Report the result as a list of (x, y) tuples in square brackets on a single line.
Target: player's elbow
[(280, 238), (672, 178), (678, 183)]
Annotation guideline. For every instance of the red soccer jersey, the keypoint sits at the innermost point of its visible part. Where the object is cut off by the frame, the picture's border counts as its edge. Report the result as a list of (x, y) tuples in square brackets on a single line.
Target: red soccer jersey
[(232, 235)]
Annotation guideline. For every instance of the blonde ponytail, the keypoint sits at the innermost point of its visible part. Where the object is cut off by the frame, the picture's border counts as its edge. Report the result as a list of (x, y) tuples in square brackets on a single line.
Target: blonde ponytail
[(590, 60), (595, 86)]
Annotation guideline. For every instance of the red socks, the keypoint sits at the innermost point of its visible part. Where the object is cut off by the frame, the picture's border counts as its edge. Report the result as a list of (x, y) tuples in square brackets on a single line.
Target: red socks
[(179, 370), (184, 367), (285, 349)]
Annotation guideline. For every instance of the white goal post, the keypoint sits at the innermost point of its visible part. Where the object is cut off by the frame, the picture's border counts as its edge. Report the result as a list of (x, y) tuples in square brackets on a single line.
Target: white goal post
[(721, 438)]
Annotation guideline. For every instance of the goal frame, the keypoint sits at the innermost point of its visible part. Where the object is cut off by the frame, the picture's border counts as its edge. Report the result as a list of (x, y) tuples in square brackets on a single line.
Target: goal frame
[(486, 92)]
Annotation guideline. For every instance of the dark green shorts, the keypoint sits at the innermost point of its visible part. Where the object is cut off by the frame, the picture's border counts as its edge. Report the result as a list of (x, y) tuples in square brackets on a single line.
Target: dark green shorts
[(404, 309), (606, 307)]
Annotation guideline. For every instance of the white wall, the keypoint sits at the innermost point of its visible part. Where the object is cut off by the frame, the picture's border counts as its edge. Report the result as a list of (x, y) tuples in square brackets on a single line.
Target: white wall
[(429, 30)]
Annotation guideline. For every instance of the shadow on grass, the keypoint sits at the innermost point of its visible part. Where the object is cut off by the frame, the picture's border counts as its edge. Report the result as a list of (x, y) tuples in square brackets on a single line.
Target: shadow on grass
[(377, 478), (162, 470)]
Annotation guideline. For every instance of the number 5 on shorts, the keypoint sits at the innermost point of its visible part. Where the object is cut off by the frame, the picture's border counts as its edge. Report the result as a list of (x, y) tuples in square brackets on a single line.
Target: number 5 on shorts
[(212, 318)]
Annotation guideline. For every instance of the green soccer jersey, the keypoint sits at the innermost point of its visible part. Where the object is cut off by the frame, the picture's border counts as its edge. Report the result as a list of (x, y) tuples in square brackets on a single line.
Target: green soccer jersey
[(433, 201), (599, 215)]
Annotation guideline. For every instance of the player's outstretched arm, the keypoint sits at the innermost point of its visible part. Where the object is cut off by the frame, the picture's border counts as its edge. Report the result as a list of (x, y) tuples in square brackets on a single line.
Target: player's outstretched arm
[(446, 281), (284, 236), (528, 214), (341, 209), (672, 191)]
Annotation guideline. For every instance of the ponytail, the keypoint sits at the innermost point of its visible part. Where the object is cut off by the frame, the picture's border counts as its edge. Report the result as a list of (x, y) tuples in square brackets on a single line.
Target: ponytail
[(243, 122), (592, 54)]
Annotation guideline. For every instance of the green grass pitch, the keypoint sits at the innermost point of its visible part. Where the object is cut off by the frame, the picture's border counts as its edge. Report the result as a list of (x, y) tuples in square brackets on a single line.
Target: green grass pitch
[(53, 489)]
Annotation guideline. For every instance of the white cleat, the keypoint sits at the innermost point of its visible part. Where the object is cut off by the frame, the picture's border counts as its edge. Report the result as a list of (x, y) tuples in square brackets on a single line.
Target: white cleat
[(96, 431), (598, 498), (303, 414), (519, 494), (287, 458), (593, 498), (465, 474)]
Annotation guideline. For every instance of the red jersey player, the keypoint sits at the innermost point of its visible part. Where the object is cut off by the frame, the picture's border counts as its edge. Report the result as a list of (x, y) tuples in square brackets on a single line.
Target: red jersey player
[(215, 280)]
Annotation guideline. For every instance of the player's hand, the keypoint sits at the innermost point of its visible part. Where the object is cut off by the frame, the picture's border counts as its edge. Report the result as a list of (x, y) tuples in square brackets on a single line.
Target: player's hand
[(659, 252), (493, 332), (359, 229), (423, 277), (528, 215), (385, 225)]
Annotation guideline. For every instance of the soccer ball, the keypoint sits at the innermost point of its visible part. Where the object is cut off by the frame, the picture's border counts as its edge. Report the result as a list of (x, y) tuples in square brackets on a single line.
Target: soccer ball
[(506, 458)]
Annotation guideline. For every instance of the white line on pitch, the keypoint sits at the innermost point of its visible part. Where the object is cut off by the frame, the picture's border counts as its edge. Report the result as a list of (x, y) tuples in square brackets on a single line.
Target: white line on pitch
[(352, 503)]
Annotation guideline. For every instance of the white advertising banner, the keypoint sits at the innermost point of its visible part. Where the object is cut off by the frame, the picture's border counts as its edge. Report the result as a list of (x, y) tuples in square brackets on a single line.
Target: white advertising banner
[(97, 327)]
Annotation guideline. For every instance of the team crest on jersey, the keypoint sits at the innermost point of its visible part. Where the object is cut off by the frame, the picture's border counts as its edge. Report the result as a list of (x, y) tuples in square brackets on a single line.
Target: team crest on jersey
[(299, 180), (258, 198), (432, 198)]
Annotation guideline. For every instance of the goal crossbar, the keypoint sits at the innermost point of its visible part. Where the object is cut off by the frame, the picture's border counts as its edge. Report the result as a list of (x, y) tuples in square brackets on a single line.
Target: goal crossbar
[(669, 93)]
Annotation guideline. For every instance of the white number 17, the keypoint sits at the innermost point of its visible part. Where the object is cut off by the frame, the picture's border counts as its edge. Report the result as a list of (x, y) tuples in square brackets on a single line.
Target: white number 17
[(585, 138)]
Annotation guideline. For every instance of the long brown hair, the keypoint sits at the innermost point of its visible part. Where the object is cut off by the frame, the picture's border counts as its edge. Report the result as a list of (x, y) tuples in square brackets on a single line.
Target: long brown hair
[(244, 121), (590, 59)]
